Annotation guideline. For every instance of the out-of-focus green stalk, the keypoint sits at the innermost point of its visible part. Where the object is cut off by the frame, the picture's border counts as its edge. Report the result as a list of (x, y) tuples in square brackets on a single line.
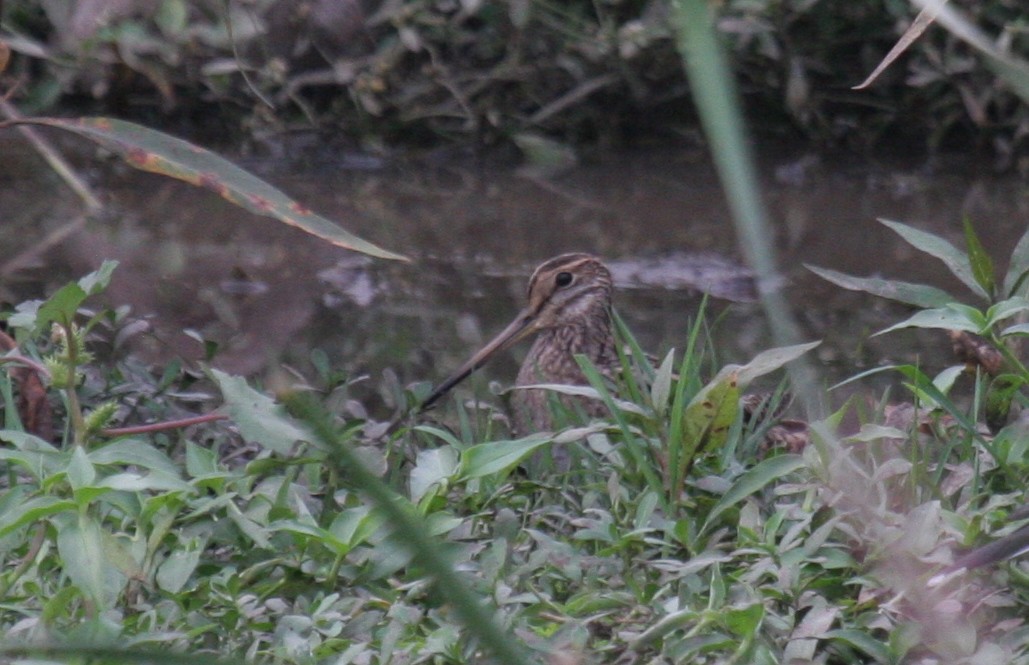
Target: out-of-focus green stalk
[(718, 104)]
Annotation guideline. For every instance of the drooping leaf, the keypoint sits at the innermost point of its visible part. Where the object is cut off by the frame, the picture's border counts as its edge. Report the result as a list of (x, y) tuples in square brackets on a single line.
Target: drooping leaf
[(982, 264), (919, 295), (955, 260), (150, 150)]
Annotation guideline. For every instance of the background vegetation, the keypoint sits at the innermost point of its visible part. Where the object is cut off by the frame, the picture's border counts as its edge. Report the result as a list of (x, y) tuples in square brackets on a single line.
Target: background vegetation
[(484, 71)]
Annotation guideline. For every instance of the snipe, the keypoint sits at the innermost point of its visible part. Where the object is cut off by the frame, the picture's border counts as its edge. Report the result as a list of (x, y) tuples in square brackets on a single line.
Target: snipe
[(569, 309)]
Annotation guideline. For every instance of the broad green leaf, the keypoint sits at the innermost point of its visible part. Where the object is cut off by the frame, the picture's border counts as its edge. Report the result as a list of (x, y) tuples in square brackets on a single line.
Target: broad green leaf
[(432, 467), (946, 318), (156, 152), (80, 543), (662, 387), (97, 281), (1000, 394), (499, 456), (356, 525), (62, 306), (136, 452), (771, 360), (80, 471), (863, 642), (155, 481), (707, 420), (321, 536), (259, 417), (745, 621), (955, 260), (175, 571), (919, 295), (980, 261), (765, 472), (33, 510), (1018, 269), (258, 533)]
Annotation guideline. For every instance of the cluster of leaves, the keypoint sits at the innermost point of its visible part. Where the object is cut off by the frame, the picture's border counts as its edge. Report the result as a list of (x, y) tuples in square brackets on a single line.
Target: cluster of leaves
[(488, 70), (322, 543)]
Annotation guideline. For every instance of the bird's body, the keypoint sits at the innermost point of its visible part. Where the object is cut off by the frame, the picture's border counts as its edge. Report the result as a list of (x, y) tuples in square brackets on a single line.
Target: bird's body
[(569, 310)]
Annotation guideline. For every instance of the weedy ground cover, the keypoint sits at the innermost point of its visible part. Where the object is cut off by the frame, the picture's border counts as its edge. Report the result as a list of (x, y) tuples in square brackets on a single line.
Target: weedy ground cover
[(280, 532)]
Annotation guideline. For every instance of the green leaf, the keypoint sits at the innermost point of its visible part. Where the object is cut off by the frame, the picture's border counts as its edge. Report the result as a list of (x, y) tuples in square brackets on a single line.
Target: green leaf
[(955, 260), (80, 471), (356, 525), (258, 416), (1005, 309), (745, 621), (946, 318), (155, 481), (1018, 268), (919, 295), (707, 420), (63, 305), (432, 467), (80, 543), (862, 641), (33, 510), (499, 456), (753, 480), (156, 152), (97, 281), (175, 571), (135, 452), (1017, 329), (771, 360), (662, 387), (981, 263)]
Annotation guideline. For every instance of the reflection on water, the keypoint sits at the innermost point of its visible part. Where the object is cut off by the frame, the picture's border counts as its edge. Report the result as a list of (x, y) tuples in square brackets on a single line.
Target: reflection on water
[(266, 292)]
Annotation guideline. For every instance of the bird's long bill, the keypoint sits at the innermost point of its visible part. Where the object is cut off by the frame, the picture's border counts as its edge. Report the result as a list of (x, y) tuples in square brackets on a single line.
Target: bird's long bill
[(514, 332)]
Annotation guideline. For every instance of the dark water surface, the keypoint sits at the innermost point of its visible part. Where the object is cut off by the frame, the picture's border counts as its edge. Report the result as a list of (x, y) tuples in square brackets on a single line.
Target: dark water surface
[(268, 293)]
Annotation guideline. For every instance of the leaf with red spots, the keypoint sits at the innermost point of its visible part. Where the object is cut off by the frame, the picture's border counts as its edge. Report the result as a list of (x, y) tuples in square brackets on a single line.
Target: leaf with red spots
[(156, 152)]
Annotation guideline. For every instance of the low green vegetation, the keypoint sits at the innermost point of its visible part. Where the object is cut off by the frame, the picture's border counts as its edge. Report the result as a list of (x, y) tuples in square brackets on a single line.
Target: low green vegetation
[(273, 530)]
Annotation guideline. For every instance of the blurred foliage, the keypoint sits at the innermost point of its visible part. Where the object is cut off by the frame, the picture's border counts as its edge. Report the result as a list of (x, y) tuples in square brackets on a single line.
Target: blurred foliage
[(485, 70)]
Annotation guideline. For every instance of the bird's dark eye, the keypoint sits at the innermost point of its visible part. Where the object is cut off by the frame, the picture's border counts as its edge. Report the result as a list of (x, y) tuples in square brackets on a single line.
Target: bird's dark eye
[(563, 279)]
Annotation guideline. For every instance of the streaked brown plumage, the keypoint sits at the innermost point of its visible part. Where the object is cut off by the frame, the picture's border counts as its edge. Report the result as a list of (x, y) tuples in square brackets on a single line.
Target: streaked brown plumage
[(569, 310)]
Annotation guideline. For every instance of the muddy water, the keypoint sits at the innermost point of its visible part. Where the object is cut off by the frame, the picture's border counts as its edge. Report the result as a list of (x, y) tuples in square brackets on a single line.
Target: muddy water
[(268, 294)]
